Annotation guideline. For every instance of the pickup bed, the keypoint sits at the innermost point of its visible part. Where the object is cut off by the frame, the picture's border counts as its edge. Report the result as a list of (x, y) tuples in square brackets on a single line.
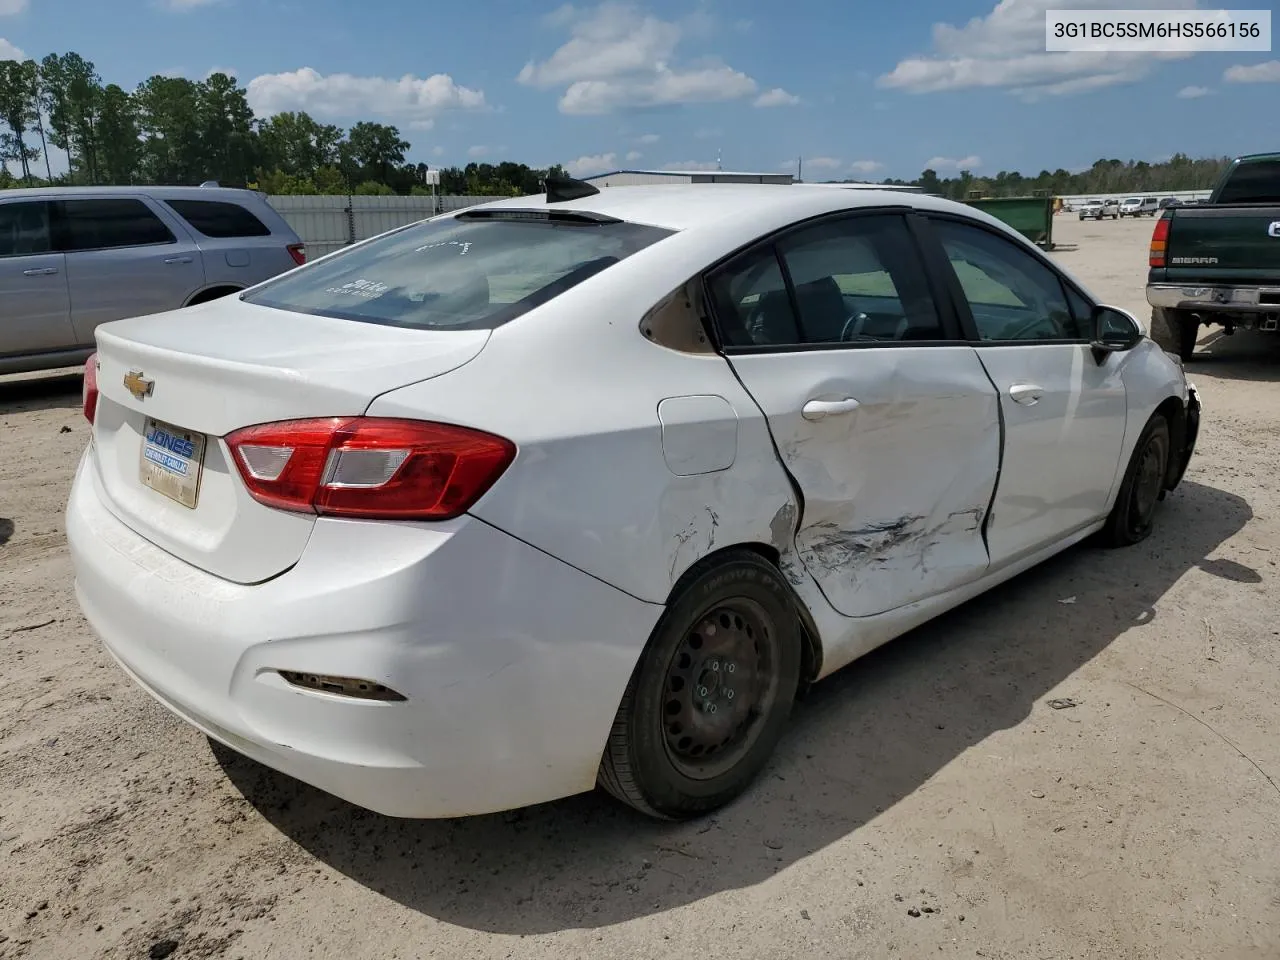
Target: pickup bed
[(1218, 262)]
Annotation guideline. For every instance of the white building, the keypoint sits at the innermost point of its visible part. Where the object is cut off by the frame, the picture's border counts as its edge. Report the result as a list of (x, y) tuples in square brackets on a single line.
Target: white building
[(644, 178)]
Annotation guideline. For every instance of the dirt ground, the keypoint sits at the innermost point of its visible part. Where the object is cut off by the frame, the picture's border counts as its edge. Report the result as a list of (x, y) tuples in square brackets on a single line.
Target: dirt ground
[(927, 800)]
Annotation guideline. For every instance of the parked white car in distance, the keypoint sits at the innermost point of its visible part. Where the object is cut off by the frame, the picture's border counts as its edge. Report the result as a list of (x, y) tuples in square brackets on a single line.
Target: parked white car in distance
[(583, 489), (1140, 207)]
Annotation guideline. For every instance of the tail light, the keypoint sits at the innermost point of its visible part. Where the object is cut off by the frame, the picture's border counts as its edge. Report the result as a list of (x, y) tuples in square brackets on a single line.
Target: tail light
[(89, 391), (369, 467), (299, 253), (1159, 241)]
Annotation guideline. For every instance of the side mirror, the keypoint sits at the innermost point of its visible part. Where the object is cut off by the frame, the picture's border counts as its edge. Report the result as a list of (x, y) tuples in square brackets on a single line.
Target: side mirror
[(1114, 331)]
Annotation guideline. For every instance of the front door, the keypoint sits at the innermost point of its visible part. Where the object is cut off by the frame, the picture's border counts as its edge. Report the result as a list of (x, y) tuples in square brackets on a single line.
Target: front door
[(1064, 412), (887, 423), (125, 259), (35, 315)]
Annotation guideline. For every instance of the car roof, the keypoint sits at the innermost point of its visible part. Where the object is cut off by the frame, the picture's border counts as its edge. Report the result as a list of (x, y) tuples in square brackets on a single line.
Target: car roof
[(758, 208), (159, 192)]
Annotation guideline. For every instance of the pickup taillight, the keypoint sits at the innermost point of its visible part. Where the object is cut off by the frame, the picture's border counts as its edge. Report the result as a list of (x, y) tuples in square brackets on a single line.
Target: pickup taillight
[(1159, 241)]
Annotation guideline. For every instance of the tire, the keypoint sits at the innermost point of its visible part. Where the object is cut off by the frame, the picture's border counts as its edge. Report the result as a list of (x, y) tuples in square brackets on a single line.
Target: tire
[(1175, 331), (668, 755), (1133, 516)]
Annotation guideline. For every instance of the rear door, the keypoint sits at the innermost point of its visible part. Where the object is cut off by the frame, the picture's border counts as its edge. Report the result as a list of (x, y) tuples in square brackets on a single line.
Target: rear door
[(237, 246), (886, 422), (1064, 412), (35, 315), (126, 257)]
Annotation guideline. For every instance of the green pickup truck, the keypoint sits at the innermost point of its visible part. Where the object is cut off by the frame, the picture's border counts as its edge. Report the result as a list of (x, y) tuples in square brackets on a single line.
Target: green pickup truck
[(1218, 262)]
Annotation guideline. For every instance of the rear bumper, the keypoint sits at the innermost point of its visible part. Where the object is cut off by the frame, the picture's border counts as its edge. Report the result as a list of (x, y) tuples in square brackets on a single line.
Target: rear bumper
[(512, 663), (1214, 298)]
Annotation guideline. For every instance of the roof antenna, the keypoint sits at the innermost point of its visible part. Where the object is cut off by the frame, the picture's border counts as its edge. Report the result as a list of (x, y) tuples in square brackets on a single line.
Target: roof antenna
[(718, 167), (562, 189)]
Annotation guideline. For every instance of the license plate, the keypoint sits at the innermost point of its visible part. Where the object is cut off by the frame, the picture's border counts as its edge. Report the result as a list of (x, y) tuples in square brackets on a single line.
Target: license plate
[(172, 461)]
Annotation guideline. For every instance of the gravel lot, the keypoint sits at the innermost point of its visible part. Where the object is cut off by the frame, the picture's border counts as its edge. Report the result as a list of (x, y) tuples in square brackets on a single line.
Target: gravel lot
[(927, 799)]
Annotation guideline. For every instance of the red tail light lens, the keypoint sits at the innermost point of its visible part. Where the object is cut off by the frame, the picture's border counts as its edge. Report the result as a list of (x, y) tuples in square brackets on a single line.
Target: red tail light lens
[(1159, 241), (89, 391), (299, 253), (369, 467)]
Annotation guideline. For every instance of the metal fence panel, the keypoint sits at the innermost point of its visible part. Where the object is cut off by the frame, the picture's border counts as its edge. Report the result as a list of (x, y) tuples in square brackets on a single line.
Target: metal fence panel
[(327, 223)]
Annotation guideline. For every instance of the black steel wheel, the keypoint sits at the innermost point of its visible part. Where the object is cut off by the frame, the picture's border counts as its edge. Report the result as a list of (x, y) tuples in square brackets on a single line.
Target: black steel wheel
[(1133, 515), (707, 702)]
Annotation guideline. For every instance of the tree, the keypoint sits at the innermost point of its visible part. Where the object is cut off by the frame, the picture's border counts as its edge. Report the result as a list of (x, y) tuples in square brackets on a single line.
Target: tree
[(118, 135), (295, 143), (375, 148), (83, 102), (18, 110), (225, 130), (53, 103), (169, 122)]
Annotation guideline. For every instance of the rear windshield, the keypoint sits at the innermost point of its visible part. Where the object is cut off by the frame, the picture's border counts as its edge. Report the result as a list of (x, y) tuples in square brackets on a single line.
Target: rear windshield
[(1257, 181), (456, 273)]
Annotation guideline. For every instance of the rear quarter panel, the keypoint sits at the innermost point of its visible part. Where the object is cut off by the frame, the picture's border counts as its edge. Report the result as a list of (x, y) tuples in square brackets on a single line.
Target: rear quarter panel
[(577, 387)]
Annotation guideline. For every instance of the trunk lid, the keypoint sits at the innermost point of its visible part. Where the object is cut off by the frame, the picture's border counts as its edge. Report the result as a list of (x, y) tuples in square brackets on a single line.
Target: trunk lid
[(199, 374), (1227, 244)]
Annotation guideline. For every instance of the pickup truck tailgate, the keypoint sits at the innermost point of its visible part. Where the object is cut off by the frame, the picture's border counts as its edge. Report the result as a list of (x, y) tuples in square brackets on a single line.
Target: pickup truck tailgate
[(1230, 243)]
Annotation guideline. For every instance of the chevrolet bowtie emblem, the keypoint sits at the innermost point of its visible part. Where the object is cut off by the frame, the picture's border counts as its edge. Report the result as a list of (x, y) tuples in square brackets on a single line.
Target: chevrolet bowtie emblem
[(137, 384)]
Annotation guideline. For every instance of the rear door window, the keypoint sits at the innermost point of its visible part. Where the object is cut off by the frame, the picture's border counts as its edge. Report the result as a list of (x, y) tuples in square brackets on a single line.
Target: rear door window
[(24, 229), (219, 219), (109, 223), (466, 272)]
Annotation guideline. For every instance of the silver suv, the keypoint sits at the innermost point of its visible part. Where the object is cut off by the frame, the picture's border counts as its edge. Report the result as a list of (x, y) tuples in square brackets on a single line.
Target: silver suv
[(74, 257)]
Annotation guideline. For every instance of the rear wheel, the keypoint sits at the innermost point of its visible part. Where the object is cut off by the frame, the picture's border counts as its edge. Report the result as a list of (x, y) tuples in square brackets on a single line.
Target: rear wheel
[(1133, 515), (1175, 331), (709, 698)]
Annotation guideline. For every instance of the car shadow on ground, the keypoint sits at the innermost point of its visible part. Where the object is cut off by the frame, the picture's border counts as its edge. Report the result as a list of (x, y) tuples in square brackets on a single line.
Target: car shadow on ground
[(59, 391), (863, 740), (1245, 355)]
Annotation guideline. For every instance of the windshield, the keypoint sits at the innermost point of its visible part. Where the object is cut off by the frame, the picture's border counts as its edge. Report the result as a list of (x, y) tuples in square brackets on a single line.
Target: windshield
[(1134, 201), (458, 273), (1257, 181)]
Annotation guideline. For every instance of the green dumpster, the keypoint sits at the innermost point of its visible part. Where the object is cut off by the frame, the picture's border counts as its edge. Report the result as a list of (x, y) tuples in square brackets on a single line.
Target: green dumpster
[(1030, 216)]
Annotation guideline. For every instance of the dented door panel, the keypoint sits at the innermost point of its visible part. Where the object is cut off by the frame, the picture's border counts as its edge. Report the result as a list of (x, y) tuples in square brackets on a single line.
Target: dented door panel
[(895, 488), (1062, 446)]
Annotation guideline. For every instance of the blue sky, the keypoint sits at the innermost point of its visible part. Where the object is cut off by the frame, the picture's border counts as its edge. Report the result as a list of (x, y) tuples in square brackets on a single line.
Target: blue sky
[(945, 83)]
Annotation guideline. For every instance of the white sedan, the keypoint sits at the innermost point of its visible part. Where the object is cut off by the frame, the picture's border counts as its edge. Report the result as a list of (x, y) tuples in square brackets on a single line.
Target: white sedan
[(583, 488)]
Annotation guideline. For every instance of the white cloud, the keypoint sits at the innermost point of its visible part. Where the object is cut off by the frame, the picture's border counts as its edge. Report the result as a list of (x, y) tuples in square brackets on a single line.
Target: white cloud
[(823, 163), (953, 163), (701, 165), (867, 166), (341, 95), (181, 5), (1005, 50), (475, 153), (777, 97), (618, 57), (1191, 93), (10, 8), (648, 138), (633, 156), (1268, 72), (9, 51), (592, 163)]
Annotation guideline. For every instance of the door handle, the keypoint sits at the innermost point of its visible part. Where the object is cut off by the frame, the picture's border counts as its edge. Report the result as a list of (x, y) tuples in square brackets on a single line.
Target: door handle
[(178, 259), (820, 409), (1027, 394), (40, 272)]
